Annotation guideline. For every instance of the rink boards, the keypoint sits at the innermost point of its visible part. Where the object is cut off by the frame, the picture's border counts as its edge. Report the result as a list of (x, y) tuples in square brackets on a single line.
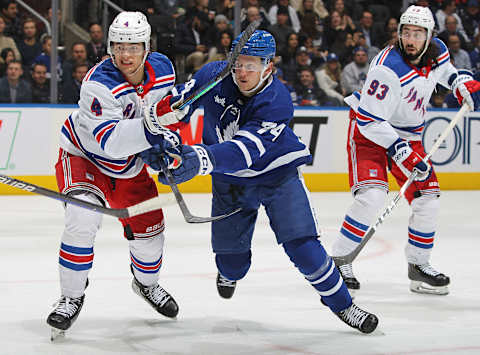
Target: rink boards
[(29, 136)]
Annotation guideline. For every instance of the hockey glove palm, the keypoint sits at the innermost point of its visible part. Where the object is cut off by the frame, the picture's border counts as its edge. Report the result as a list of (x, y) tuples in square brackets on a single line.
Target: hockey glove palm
[(464, 87), (408, 160), (163, 113), (194, 160), (153, 155)]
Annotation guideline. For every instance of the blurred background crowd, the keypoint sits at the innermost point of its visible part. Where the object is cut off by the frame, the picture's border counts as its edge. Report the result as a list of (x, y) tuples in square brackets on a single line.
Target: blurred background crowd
[(323, 47)]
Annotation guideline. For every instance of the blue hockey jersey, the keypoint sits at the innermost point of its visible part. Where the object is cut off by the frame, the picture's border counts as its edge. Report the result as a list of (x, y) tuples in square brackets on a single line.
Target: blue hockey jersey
[(249, 137)]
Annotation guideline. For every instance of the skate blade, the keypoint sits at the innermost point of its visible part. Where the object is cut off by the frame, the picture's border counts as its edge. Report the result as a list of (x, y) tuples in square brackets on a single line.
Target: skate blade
[(422, 287), (57, 334)]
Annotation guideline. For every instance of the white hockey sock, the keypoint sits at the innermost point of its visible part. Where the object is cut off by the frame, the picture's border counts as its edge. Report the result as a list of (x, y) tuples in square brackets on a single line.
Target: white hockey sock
[(76, 249), (146, 256), (366, 204), (421, 229)]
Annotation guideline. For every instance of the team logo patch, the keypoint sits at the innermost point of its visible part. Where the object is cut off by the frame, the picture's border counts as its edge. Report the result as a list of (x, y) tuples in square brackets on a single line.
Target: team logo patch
[(373, 172), (219, 100)]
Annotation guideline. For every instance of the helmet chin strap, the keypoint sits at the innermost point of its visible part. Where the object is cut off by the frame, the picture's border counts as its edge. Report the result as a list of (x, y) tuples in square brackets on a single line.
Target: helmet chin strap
[(253, 91)]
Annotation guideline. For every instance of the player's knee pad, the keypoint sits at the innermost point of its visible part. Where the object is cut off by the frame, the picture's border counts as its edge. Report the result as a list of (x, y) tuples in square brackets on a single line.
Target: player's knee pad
[(307, 254), (425, 210), (146, 257), (367, 202), (81, 225), (234, 266)]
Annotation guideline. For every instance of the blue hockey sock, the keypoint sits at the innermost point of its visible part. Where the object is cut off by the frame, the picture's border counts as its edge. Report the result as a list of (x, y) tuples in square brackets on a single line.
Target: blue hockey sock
[(233, 266), (312, 260)]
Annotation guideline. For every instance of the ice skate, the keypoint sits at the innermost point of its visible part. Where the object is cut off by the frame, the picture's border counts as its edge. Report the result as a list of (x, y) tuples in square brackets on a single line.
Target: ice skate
[(64, 314), (225, 287), (425, 279), (358, 319), (350, 280), (157, 297)]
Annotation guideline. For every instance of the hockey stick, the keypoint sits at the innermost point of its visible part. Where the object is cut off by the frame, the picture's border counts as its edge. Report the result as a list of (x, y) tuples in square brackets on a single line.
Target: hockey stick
[(224, 73), (143, 207), (189, 218), (348, 259)]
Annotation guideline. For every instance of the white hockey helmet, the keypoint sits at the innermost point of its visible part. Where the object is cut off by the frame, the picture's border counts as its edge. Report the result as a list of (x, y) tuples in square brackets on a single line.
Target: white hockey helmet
[(418, 16), (129, 27)]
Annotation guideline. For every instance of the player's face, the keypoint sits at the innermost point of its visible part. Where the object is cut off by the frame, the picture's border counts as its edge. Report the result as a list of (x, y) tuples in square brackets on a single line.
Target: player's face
[(413, 40), (248, 70), (128, 57)]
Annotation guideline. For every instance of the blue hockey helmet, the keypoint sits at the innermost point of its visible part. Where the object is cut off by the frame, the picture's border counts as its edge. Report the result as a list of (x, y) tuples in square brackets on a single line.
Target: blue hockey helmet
[(261, 44)]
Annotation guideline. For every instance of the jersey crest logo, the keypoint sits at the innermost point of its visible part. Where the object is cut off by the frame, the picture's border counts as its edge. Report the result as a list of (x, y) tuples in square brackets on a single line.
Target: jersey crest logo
[(219, 100)]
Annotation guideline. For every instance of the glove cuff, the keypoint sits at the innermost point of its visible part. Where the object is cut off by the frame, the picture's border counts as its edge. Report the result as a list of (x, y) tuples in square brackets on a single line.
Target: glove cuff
[(207, 162)]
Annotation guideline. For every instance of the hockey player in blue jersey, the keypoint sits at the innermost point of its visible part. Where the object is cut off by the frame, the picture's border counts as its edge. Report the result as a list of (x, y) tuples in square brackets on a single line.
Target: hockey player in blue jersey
[(98, 162), (254, 159), (386, 125)]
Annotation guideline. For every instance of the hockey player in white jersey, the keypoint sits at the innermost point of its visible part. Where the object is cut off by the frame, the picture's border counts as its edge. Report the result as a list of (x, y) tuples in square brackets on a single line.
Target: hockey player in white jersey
[(98, 163), (254, 159), (386, 124)]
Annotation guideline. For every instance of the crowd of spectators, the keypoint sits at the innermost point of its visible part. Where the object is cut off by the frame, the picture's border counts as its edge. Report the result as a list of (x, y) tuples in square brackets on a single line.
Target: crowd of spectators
[(323, 47)]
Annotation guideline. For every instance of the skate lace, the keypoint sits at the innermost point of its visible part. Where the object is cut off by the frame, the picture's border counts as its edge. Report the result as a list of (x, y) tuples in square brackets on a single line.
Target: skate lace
[(428, 269), (224, 282), (354, 315), (157, 294), (67, 306), (346, 270)]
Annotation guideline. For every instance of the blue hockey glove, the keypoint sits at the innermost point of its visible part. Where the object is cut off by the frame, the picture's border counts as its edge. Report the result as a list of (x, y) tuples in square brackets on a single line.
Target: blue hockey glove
[(194, 160), (464, 87), (408, 160), (153, 155)]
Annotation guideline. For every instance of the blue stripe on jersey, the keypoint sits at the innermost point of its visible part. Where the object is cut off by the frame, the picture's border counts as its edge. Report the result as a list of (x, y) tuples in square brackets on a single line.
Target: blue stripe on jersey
[(412, 129), (103, 124), (122, 93), (410, 80), (156, 87), (369, 115), (105, 138)]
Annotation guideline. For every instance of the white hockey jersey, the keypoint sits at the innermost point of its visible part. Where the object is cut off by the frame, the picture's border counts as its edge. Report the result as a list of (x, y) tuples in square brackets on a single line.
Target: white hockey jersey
[(395, 95), (108, 127)]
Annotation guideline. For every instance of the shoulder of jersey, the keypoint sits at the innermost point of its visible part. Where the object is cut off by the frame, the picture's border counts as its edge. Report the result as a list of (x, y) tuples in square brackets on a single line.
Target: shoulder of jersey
[(161, 64), (105, 73)]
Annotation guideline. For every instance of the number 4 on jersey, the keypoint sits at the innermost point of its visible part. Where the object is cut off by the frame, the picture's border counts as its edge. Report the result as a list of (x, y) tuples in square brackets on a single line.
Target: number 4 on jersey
[(96, 107)]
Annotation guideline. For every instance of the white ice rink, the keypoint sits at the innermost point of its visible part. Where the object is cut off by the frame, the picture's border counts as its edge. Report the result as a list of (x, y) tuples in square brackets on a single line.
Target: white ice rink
[(273, 311)]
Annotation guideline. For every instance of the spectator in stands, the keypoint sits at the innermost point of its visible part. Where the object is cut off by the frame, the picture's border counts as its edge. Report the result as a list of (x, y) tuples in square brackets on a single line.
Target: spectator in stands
[(307, 90), (315, 6), (365, 25), (256, 3), (475, 55), (29, 47), (361, 41), (13, 89), (354, 74), (71, 88), (191, 40), (334, 31), (385, 36), (221, 24), (343, 48), (316, 55), (8, 42), (169, 8), (469, 15), (288, 63), (225, 7), (451, 28), (222, 48), (459, 55), (253, 14), (96, 47), (9, 13), (281, 29), (328, 78), (346, 21), (78, 56), (6, 56), (44, 57), (58, 18), (40, 84), (448, 7), (312, 27), (292, 18)]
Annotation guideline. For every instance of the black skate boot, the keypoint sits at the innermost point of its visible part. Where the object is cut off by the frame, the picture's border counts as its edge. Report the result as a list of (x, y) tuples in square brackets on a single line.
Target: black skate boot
[(157, 297), (64, 314), (225, 287), (358, 319), (350, 280), (425, 279)]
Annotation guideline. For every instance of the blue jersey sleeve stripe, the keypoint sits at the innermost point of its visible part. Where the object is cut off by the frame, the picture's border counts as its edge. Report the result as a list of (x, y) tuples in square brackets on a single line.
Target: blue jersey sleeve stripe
[(245, 152), (254, 139), (105, 137), (368, 115)]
